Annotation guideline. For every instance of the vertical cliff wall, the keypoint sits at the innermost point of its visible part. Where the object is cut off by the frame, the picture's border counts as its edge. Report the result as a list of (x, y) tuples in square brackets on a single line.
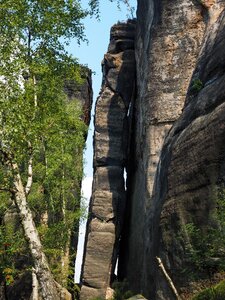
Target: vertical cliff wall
[(169, 35), (170, 40), (174, 159), (110, 150), (189, 188)]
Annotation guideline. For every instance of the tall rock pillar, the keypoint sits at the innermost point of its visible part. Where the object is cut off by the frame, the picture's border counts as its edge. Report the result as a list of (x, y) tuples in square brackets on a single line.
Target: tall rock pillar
[(110, 155)]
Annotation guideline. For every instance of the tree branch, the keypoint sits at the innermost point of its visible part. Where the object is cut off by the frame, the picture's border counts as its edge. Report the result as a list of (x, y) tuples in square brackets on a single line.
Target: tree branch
[(5, 189), (169, 280), (35, 91), (29, 43), (130, 9)]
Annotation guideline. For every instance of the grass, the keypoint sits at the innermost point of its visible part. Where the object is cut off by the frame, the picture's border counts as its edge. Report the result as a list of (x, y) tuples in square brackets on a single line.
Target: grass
[(216, 292)]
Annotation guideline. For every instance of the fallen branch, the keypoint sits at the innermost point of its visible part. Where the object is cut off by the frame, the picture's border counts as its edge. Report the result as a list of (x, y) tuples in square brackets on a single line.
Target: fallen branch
[(169, 280)]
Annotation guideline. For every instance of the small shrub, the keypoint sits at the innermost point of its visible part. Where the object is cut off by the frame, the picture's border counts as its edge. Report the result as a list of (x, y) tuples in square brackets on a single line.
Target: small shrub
[(197, 85), (12, 247), (216, 292), (121, 290), (205, 253)]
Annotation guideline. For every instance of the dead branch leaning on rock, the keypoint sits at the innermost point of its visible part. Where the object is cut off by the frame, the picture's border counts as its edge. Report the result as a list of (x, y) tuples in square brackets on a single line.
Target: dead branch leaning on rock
[(169, 280)]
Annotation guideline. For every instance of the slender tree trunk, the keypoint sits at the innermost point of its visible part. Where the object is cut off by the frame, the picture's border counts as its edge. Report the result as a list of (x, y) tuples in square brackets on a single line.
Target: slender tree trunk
[(47, 285), (65, 260), (34, 295)]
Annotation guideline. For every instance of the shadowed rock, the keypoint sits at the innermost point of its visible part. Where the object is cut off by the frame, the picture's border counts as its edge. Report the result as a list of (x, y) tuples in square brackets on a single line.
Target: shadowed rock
[(169, 37)]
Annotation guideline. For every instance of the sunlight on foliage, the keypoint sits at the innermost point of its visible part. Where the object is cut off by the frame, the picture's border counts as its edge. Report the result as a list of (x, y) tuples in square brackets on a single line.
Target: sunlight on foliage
[(41, 130)]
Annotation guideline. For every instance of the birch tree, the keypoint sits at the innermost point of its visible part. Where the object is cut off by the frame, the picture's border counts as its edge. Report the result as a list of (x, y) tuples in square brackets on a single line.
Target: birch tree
[(33, 67)]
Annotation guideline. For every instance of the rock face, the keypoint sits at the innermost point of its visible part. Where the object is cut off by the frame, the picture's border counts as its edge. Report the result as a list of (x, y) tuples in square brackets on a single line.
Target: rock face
[(152, 227), (174, 159), (169, 36), (189, 187), (110, 149), (82, 92)]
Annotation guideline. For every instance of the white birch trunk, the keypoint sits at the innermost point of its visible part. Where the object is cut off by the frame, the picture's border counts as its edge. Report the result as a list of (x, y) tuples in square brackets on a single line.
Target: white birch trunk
[(65, 260), (34, 295), (47, 285)]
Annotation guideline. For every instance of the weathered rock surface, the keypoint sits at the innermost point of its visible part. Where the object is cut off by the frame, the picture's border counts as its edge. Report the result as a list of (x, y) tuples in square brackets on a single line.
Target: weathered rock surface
[(110, 150), (191, 169), (167, 44), (82, 92), (168, 186), (137, 297), (184, 190), (169, 36)]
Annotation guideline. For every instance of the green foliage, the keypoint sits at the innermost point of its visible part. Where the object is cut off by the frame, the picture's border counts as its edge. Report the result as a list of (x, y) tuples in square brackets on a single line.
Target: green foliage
[(121, 290), (12, 245), (197, 85), (39, 126), (205, 250), (75, 290), (42, 23), (216, 292), (4, 196)]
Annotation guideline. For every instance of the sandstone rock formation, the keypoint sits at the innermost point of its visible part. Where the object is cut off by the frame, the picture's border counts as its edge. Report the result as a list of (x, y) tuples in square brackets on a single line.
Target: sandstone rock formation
[(179, 95), (189, 21), (191, 174), (137, 297), (82, 92), (110, 150), (168, 41)]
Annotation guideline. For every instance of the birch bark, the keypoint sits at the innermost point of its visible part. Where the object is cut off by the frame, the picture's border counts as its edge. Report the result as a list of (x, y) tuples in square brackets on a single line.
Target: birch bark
[(47, 286)]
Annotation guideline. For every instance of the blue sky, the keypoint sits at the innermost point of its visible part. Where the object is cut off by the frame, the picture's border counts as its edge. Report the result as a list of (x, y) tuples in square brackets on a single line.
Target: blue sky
[(91, 54)]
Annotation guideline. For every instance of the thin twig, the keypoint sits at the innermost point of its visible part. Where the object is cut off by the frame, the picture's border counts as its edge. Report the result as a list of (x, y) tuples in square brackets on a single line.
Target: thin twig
[(169, 280), (4, 189), (130, 9)]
